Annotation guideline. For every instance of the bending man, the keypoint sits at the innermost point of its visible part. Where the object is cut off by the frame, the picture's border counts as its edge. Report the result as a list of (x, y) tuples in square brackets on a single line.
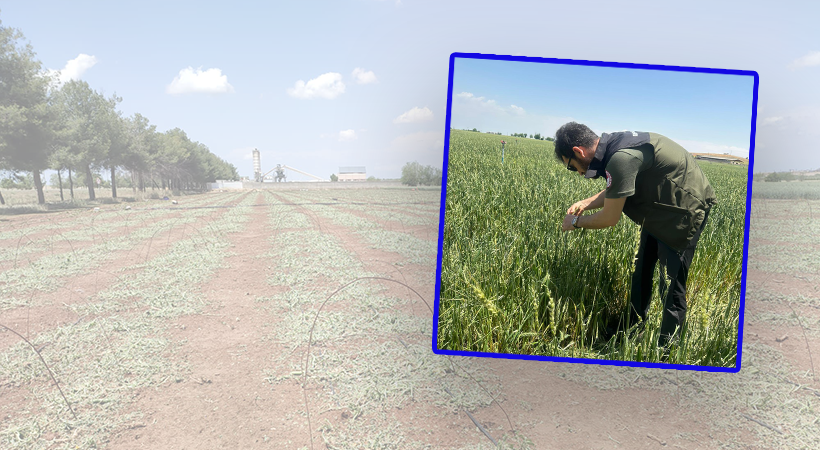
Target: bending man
[(657, 184)]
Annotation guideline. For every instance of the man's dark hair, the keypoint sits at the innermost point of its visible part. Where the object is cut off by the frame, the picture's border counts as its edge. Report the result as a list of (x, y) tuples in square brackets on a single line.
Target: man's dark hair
[(570, 135)]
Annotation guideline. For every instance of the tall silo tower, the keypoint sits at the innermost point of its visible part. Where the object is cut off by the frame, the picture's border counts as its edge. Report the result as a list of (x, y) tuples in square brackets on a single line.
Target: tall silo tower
[(257, 166)]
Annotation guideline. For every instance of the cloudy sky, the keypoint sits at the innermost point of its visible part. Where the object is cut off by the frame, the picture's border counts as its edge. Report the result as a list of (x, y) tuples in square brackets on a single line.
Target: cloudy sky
[(705, 112), (318, 85)]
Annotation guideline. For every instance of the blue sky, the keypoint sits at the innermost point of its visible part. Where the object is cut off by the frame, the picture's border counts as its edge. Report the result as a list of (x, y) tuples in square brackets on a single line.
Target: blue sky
[(706, 112), (283, 77)]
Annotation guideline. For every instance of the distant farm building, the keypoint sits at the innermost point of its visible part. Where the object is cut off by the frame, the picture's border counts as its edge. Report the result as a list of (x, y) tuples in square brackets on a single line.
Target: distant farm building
[(353, 173), (725, 158)]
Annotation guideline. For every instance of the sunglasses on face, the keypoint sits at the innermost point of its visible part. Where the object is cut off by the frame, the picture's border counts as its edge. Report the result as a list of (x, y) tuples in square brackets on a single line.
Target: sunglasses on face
[(570, 168)]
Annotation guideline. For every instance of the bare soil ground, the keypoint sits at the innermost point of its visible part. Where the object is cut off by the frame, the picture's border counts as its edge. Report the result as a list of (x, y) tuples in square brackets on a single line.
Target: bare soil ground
[(239, 383), (51, 309)]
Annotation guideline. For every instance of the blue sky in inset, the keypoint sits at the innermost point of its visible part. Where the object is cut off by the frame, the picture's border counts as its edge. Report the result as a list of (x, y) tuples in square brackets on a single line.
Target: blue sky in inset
[(239, 66), (709, 112)]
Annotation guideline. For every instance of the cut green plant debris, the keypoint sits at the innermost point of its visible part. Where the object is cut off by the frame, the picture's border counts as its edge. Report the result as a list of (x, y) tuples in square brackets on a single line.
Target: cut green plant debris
[(117, 347)]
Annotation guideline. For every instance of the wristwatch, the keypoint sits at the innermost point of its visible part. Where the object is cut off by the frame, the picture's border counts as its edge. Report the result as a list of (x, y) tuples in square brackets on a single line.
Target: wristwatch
[(574, 222)]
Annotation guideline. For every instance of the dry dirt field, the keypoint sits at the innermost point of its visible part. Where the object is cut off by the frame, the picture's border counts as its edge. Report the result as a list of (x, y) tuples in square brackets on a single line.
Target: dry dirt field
[(302, 319)]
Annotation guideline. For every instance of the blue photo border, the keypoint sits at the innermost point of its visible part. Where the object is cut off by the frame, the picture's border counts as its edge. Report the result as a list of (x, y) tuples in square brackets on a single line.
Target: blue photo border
[(453, 57)]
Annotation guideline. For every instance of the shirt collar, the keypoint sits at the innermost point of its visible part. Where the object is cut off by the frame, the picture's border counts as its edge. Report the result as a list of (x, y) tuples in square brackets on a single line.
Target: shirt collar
[(596, 164)]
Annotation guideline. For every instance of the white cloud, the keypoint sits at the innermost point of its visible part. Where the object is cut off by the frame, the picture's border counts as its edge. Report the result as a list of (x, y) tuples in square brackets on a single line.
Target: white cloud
[(364, 77), (347, 135), (808, 60), (328, 85), (478, 103), (190, 81), (415, 115), (468, 96), (75, 68), (481, 104)]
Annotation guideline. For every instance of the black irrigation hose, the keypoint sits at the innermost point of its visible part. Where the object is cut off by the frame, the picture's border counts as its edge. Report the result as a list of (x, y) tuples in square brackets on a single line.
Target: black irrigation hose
[(800, 322), (310, 341), (310, 337), (477, 424), (317, 222), (47, 368), (483, 430), (485, 391)]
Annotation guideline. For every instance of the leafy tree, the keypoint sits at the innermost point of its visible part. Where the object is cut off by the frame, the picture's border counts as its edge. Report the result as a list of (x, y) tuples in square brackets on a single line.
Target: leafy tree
[(27, 118), (780, 176), (411, 174), (124, 179), (333, 177), (118, 140), (77, 132), (18, 181), (62, 159), (87, 118), (143, 149), (414, 174)]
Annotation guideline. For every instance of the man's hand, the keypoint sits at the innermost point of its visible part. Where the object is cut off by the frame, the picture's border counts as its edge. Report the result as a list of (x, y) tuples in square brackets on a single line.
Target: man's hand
[(567, 225), (579, 207)]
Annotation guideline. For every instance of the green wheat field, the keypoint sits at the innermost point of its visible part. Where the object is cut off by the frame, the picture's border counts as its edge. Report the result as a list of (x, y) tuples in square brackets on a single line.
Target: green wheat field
[(512, 282)]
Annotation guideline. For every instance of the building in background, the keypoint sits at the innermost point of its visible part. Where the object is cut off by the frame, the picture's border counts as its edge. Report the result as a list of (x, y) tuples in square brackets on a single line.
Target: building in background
[(724, 158), (352, 173)]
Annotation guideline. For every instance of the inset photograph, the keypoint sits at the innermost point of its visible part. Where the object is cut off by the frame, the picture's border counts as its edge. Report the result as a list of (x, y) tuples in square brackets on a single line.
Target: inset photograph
[(595, 212)]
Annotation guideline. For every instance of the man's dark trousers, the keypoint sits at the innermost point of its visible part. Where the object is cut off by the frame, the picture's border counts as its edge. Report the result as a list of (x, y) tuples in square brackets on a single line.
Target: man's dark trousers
[(677, 265)]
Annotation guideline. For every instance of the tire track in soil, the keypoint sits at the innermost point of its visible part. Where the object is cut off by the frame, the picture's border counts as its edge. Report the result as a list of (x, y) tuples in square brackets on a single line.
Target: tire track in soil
[(225, 401), (53, 308)]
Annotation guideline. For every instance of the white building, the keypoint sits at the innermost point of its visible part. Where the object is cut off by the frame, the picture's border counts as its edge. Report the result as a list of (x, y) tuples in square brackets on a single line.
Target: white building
[(353, 173)]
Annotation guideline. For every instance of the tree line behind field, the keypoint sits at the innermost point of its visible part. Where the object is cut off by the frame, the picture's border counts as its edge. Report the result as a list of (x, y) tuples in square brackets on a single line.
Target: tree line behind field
[(414, 174), (536, 136), (77, 131)]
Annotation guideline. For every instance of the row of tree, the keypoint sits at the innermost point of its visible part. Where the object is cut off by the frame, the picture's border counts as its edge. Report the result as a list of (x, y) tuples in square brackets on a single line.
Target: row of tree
[(520, 135), (71, 128), (536, 136)]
